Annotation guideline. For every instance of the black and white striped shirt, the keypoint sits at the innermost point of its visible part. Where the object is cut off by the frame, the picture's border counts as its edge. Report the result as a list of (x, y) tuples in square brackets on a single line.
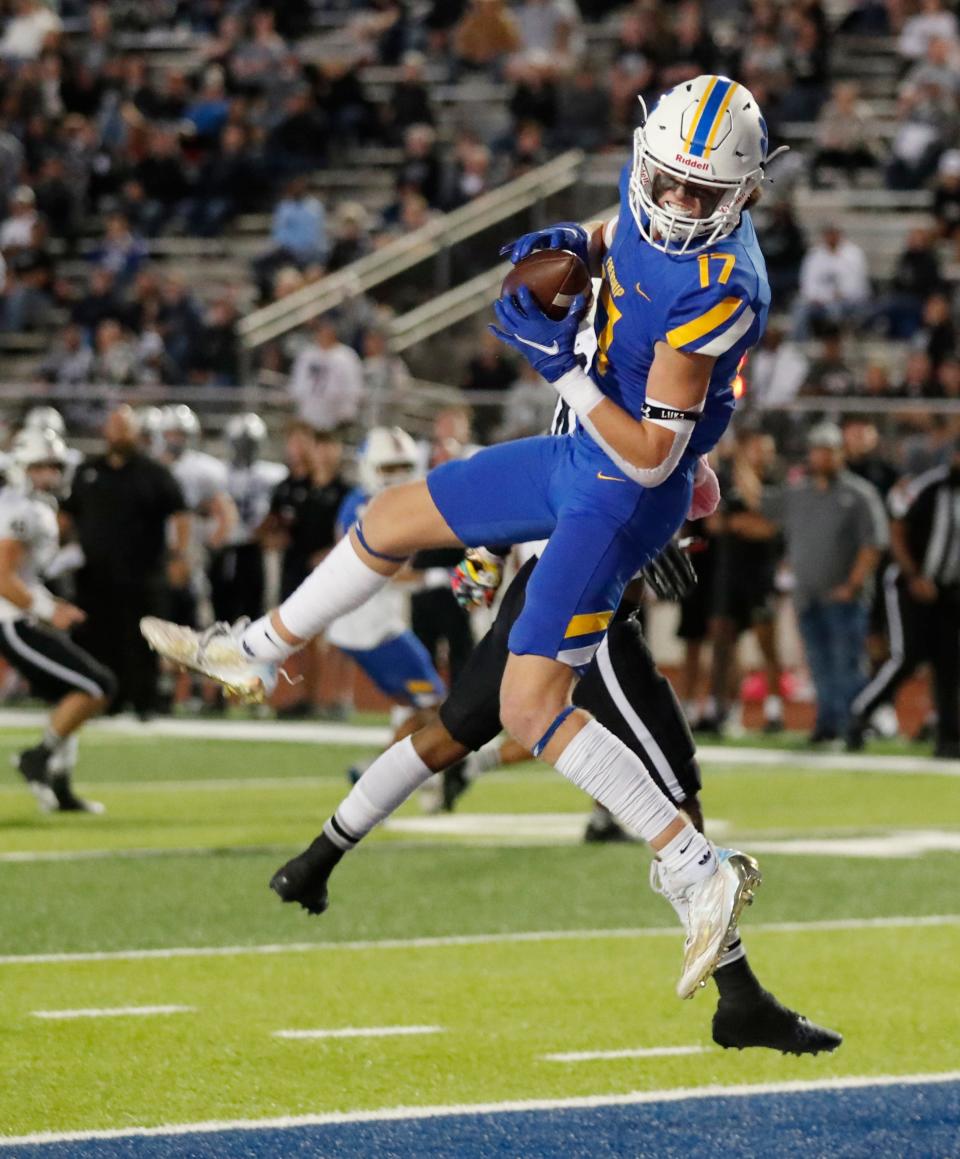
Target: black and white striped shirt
[(929, 506)]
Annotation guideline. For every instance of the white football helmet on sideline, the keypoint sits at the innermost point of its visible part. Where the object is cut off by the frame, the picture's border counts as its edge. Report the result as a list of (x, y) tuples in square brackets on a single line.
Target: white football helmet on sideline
[(45, 418), (180, 428), (386, 456), (708, 135), (36, 447), (150, 425), (245, 435)]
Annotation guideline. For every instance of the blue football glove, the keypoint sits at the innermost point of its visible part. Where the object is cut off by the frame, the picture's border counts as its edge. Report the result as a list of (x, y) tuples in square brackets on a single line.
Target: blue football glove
[(546, 345), (565, 235)]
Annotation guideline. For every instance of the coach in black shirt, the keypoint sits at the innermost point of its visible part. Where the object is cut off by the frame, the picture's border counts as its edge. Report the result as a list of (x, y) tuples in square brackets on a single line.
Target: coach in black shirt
[(121, 506)]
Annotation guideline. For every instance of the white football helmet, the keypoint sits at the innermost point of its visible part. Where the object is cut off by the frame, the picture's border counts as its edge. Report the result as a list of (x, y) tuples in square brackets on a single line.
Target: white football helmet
[(246, 434), (47, 418), (150, 425), (33, 447), (386, 456), (708, 135), (180, 428)]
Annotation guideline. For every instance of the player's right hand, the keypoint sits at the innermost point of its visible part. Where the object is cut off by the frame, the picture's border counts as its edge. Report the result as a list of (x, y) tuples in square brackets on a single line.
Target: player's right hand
[(65, 615), (477, 578), (565, 235)]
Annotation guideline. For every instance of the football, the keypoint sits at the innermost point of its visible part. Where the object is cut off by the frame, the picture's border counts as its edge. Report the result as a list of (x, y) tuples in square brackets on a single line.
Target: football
[(554, 277)]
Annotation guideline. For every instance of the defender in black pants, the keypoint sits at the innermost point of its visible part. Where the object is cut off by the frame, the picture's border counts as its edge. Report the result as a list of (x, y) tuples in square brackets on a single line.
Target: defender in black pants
[(624, 690)]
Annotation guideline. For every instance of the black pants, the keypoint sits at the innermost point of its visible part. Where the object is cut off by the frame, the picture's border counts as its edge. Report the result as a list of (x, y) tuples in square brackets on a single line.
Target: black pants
[(919, 633), (111, 633), (622, 688), (53, 664), (436, 616), (236, 582)]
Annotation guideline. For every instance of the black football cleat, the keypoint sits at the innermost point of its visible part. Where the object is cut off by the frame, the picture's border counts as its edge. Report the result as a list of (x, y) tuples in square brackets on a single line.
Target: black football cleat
[(33, 766), (760, 1020), (304, 878), (455, 784), (67, 800)]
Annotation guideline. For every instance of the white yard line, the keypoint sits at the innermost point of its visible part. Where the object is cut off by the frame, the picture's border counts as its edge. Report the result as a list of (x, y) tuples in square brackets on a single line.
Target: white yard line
[(310, 732), (838, 924), (589, 1102), (360, 1032), (112, 1012), (637, 1052)]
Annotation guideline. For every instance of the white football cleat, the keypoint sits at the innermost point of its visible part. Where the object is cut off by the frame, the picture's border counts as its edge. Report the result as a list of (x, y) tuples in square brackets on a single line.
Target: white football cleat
[(216, 653), (714, 905)]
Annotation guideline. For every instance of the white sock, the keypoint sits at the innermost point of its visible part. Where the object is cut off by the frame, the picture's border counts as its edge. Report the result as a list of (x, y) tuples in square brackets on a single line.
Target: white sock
[(600, 764), (772, 708), (65, 758), (484, 760), (382, 789), (51, 739), (687, 858), (339, 584)]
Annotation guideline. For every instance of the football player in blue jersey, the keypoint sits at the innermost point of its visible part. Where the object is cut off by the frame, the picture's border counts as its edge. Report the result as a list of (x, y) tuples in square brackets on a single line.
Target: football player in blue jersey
[(684, 295)]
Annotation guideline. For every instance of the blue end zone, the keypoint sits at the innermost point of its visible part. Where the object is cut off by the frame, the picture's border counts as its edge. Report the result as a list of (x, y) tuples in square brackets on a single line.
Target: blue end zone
[(910, 1122)]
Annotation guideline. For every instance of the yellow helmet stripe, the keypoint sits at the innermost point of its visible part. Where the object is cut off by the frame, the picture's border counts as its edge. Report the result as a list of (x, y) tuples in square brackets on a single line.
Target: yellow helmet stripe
[(696, 116)]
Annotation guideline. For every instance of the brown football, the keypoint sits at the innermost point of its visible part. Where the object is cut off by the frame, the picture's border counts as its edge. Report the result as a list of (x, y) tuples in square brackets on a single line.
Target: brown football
[(554, 277)]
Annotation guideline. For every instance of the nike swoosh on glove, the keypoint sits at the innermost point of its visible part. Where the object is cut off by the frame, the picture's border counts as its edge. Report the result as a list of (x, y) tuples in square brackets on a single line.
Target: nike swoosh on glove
[(546, 345), (565, 235), (706, 491)]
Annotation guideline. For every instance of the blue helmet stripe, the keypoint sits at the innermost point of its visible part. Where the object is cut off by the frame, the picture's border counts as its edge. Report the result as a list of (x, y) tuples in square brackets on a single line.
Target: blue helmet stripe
[(705, 121)]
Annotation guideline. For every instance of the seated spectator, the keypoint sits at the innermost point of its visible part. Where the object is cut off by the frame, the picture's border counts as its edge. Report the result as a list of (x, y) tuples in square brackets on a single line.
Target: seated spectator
[(70, 361), (808, 65), (834, 284), (409, 102), (229, 181), (487, 33), (924, 117), (490, 369), (101, 299), (775, 370), (876, 381), (350, 232), (342, 99), (637, 55), (420, 168), (932, 22), (526, 151), (160, 176), (948, 377), (31, 28), (217, 358), (946, 197), (937, 335), (410, 213), (326, 382), (844, 135), (120, 250), (297, 234), (917, 380), (583, 113), (528, 408), (179, 323), (208, 113), (256, 58), (694, 49), (384, 375), (830, 373), (784, 245), (937, 72), (58, 201), (551, 27), (27, 289), (115, 360), (471, 175), (915, 275), (534, 97), (298, 141)]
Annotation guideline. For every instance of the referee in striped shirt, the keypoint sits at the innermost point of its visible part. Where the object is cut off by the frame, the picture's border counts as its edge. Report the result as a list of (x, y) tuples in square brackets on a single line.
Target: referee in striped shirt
[(922, 594)]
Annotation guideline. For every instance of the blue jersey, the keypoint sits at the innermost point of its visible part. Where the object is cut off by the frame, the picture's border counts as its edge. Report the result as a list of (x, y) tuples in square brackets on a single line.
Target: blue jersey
[(713, 302)]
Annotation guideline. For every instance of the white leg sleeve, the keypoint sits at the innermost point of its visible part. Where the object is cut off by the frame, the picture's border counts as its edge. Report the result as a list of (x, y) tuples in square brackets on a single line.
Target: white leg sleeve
[(382, 789), (339, 584)]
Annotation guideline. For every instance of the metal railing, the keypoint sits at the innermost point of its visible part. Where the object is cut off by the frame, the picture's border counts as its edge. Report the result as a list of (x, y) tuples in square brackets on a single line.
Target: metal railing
[(311, 301)]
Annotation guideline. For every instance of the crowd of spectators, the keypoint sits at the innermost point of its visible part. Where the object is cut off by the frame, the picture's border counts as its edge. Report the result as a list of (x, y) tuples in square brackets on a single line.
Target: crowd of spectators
[(108, 149)]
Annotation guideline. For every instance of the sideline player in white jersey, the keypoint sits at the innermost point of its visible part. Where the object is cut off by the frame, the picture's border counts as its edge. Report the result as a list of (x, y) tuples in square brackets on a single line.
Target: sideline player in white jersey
[(34, 623), (377, 635), (203, 480), (236, 571)]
